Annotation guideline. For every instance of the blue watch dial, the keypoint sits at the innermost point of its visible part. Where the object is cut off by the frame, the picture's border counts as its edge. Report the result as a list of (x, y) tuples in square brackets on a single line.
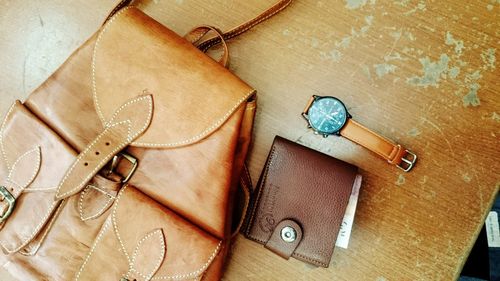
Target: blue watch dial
[(327, 115)]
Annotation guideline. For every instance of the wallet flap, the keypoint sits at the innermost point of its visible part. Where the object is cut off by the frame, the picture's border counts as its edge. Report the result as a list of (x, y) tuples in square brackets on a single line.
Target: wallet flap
[(139, 243), (285, 238), (305, 186), (34, 160), (193, 94)]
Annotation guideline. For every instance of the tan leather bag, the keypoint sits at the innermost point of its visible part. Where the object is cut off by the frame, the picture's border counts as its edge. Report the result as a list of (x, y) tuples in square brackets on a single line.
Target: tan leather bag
[(123, 165)]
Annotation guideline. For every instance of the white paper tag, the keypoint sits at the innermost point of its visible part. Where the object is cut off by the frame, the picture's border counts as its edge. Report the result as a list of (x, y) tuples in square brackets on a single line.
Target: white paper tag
[(347, 222), (493, 230)]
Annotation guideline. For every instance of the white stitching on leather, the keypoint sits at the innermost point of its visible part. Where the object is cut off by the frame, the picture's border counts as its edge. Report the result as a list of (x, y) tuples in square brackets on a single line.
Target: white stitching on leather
[(173, 277), (183, 142), (94, 86), (47, 229), (90, 175), (115, 226), (32, 235), (100, 211), (98, 239), (4, 154), (148, 119), (203, 133), (40, 189), (35, 171), (195, 273), (109, 125), (160, 259)]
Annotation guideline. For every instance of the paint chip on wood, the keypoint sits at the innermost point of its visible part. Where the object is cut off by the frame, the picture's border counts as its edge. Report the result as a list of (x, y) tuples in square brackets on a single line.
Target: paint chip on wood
[(384, 68), (433, 72), (355, 4), (414, 132), (489, 58), (401, 180), (459, 44)]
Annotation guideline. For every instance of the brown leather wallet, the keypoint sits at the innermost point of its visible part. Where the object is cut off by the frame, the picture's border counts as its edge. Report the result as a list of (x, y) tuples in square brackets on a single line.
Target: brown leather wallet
[(300, 202)]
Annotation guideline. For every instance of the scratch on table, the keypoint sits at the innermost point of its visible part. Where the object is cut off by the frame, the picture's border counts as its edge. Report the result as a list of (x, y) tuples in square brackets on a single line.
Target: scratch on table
[(480, 187), (345, 42), (24, 72), (41, 20), (425, 120), (396, 56), (366, 71), (397, 37)]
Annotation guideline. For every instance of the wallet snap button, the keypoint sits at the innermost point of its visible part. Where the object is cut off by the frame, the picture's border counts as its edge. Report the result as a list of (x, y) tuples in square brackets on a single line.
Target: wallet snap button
[(288, 234)]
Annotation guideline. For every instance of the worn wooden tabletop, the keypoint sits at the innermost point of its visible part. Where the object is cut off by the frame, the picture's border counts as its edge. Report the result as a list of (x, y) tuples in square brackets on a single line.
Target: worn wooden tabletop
[(423, 73)]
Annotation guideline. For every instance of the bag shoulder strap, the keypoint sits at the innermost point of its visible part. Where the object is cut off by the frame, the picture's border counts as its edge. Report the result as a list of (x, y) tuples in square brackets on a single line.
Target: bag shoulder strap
[(242, 28)]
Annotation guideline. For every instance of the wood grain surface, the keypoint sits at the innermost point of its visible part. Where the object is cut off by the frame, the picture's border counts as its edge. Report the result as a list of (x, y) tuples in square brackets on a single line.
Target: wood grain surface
[(423, 73)]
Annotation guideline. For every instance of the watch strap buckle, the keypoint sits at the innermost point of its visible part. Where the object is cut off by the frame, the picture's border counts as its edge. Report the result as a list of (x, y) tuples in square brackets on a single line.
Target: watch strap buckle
[(407, 163)]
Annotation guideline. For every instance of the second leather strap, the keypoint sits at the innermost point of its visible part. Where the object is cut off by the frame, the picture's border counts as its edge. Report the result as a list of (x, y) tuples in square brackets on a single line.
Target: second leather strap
[(385, 148)]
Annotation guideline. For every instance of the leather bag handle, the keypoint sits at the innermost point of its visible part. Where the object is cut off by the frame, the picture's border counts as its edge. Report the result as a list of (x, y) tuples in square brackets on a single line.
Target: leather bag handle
[(242, 28), (198, 33)]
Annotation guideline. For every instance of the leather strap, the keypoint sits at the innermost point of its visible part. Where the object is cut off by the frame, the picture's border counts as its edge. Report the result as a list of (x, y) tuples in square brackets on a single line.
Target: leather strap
[(393, 153), (196, 34), (285, 238), (127, 123), (276, 8), (120, 5)]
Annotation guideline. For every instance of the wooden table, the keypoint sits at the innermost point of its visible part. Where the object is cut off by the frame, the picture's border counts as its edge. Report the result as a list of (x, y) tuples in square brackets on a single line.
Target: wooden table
[(423, 73)]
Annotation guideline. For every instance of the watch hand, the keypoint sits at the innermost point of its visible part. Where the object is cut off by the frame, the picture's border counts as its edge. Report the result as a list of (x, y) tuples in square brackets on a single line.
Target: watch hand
[(322, 121), (325, 114)]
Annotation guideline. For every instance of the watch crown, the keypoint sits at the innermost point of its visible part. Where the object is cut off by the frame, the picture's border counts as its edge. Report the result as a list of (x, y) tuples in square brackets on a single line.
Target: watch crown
[(325, 135), (309, 127), (316, 133)]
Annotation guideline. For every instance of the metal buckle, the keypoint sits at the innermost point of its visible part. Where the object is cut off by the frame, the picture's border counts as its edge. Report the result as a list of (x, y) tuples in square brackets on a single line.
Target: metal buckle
[(7, 196), (407, 164), (116, 160)]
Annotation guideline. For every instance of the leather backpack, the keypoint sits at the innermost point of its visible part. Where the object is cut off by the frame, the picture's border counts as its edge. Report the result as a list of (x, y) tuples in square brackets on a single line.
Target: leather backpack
[(125, 163)]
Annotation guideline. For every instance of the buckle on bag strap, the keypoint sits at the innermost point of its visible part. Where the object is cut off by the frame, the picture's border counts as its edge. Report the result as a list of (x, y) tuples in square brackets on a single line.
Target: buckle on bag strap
[(117, 159), (407, 163), (11, 202)]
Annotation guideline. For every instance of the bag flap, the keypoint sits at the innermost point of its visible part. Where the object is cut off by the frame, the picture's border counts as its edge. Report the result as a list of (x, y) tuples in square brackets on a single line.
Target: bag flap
[(193, 95), (150, 241), (33, 162)]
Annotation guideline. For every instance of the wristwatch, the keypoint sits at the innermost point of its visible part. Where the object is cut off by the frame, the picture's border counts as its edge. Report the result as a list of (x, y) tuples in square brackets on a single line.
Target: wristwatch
[(328, 116)]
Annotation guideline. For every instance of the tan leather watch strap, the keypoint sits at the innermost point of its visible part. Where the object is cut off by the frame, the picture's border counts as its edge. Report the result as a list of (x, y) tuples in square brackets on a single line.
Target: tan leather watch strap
[(392, 152)]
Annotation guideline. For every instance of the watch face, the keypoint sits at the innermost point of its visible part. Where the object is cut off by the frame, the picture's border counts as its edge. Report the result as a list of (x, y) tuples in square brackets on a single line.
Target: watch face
[(327, 115)]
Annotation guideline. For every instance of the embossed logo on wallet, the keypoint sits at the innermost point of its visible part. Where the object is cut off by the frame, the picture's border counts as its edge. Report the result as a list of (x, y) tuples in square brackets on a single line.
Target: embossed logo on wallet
[(266, 220)]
